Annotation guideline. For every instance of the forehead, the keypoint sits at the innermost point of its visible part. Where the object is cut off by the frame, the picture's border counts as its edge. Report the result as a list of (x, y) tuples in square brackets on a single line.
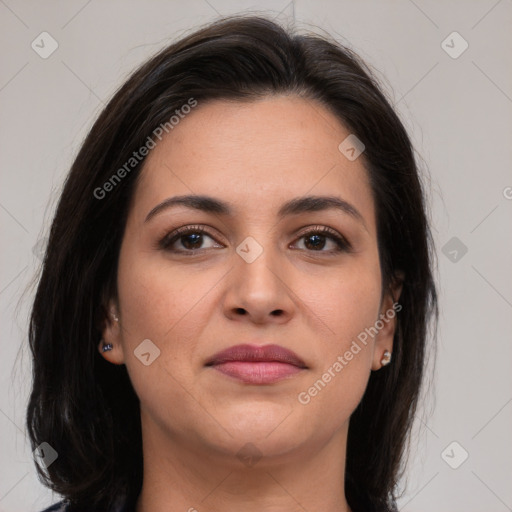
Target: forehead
[(254, 154)]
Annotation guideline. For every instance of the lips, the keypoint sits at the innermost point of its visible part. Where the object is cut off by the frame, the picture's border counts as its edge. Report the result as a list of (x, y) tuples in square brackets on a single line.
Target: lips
[(253, 364), (257, 354)]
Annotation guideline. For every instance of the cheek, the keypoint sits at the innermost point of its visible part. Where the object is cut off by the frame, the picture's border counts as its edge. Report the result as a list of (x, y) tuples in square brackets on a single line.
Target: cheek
[(158, 298), (347, 301), (348, 306), (170, 309)]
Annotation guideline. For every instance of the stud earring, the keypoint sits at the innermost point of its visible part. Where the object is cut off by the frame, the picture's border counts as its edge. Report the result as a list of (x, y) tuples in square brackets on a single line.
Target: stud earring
[(106, 347), (386, 358), (115, 317)]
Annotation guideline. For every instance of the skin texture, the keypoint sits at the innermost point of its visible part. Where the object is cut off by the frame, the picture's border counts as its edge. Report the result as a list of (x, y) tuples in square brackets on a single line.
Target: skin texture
[(256, 156)]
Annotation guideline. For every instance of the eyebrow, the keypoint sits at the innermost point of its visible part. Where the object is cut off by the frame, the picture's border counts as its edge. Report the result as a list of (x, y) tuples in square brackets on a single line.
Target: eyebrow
[(294, 207)]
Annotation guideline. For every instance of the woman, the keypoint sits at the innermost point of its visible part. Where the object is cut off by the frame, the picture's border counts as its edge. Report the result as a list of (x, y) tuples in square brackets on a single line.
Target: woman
[(235, 299)]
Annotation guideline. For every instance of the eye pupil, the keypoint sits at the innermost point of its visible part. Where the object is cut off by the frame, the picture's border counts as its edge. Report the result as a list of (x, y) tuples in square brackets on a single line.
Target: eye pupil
[(195, 240), (315, 241)]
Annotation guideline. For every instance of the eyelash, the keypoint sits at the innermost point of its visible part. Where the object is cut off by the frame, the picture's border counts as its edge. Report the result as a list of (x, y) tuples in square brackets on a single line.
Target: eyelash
[(169, 239)]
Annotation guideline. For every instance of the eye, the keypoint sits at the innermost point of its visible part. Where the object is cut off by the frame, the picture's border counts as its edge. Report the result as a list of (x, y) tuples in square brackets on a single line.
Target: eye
[(323, 239), (191, 239), (187, 240)]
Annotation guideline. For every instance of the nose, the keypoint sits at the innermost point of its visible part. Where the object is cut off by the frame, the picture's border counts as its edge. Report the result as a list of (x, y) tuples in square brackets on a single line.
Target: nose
[(259, 292)]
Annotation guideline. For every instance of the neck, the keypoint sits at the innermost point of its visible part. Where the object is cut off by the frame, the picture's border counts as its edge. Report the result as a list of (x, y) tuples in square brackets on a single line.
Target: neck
[(184, 476)]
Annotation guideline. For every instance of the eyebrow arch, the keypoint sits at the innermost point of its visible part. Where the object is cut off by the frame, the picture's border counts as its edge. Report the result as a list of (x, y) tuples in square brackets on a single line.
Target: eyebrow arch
[(203, 203), (320, 203), (294, 207)]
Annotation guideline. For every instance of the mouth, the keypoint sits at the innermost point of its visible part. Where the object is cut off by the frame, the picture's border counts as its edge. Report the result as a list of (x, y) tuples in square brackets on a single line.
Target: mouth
[(255, 364)]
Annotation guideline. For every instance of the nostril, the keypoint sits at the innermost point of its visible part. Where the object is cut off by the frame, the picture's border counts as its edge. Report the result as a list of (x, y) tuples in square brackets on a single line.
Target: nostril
[(240, 311), (277, 312)]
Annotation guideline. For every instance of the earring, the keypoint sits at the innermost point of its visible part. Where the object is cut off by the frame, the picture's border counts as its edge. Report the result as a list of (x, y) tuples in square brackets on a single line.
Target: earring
[(106, 347), (115, 317), (386, 358)]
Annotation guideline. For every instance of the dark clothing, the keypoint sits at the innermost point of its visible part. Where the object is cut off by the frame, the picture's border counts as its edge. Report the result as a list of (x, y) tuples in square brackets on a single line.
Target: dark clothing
[(121, 506)]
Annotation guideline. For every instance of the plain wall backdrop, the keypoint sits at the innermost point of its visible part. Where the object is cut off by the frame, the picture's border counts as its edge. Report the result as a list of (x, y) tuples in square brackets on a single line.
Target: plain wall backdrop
[(446, 67)]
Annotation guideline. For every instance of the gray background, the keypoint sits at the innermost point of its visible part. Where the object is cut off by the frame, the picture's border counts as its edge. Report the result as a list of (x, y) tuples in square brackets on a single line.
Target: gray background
[(458, 111)]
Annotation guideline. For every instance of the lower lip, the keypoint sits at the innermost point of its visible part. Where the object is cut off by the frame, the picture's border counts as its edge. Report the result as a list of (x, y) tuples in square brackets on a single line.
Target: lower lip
[(259, 372)]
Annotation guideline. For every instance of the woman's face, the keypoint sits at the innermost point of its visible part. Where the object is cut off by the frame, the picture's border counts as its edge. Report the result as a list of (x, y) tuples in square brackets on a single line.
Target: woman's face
[(257, 275)]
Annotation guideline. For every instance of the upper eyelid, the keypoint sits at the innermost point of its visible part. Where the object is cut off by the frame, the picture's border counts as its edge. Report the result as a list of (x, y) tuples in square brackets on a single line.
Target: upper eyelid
[(204, 229), (183, 231), (318, 228), (328, 232)]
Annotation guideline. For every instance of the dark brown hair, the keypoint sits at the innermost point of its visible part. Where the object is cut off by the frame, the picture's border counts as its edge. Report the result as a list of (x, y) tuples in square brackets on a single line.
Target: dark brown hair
[(86, 408)]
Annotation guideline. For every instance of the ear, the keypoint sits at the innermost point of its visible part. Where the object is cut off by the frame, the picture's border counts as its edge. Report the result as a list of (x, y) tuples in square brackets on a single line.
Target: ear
[(387, 321), (112, 335)]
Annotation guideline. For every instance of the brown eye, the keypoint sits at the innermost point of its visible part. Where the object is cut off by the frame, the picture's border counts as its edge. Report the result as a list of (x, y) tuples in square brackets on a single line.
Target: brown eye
[(188, 240), (315, 242), (324, 240), (191, 241)]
